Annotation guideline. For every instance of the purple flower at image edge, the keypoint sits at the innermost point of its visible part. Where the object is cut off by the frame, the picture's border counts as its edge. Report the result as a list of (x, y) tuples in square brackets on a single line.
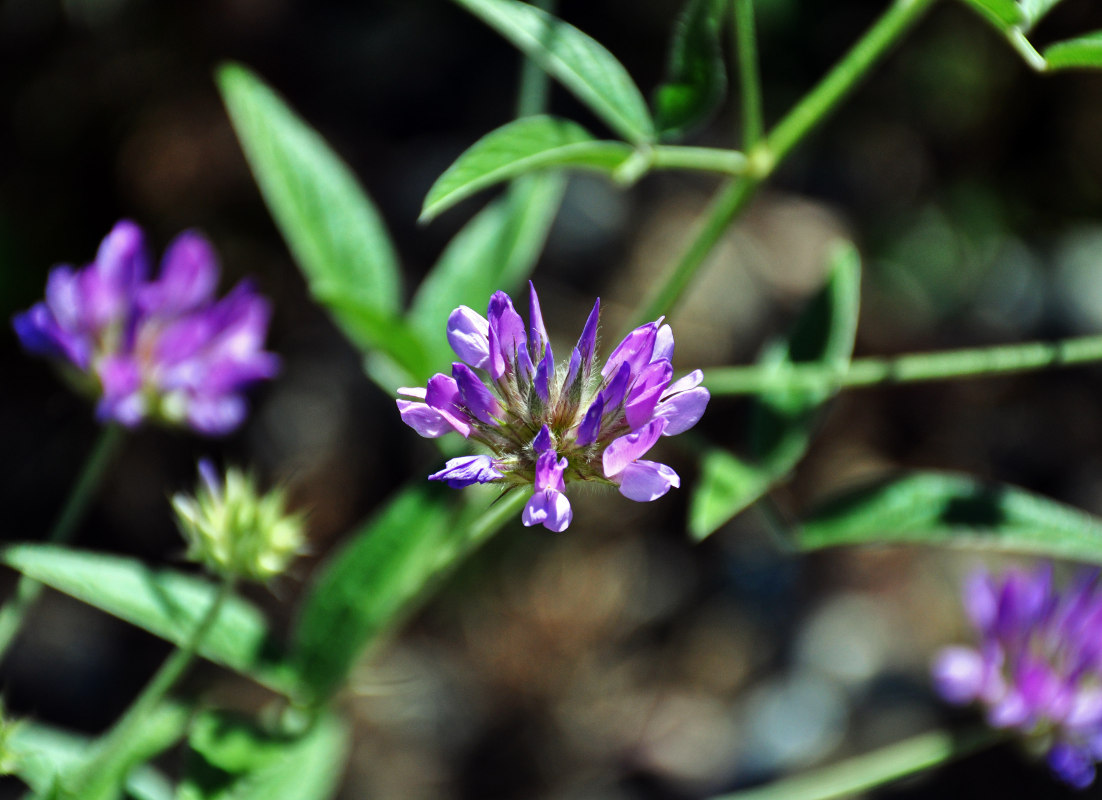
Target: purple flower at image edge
[(548, 423), (1037, 668), (165, 349)]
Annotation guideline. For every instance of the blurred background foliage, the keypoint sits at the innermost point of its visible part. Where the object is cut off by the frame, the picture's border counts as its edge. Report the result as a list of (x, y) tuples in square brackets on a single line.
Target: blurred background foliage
[(617, 660)]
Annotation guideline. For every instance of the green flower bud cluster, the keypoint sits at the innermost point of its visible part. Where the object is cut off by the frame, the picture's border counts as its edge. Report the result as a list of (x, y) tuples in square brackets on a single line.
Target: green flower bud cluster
[(234, 530)]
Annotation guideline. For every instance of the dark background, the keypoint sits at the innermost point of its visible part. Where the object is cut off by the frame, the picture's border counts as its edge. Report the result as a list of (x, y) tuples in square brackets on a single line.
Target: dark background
[(616, 660)]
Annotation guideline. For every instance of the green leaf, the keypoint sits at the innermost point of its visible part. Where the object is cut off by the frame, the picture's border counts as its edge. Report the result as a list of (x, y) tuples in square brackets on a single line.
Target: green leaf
[(518, 147), (1003, 14), (955, 510), (367, 586), (232, 758), (581, 64), (329, 223), (695, 74), (782, 421), (1083, 52), (168, 604), (44, 753), (495, 250)]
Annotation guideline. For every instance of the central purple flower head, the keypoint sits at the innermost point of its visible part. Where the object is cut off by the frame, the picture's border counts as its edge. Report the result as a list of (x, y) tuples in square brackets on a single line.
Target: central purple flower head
[(1038, 666), (161, 348), (548, 424)]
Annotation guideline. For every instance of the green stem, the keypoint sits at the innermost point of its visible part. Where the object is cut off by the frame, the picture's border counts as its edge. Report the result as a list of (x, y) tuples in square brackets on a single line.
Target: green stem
[(764, 158), (534, 82), (112, 748), (746, 51), (872, 769), (27, 590), (712, 159), (1018, 40), (942, 365)]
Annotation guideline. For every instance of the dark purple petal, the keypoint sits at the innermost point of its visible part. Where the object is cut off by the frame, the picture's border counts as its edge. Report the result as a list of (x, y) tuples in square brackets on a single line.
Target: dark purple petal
[(542, 443), (630, 446), (469, 336), (635, 350), (573, 371), (479, 400), (544, 373), (537, 333), (507, 335), (645, 392), (467, 470), (1073, 765), (644, 481), (189, 276), (613, 393), (442, 394), (590, 428), (587, 343)]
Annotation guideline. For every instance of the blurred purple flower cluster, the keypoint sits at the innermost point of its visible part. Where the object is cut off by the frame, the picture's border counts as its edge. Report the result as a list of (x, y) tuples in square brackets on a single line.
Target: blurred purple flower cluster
[(1038, 666), (166, 348), (548, 424)]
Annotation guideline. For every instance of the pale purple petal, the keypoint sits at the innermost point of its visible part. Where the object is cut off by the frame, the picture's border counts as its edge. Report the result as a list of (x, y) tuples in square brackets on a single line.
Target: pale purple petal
[(549, 508), (549, 471), (427, 421), (630, 446), (635, 350), (413, 391), (469, 336), (121, 260), (189, 276), (467, 470), (644, 481), (683, 410), (122, 401), (684, 384), (645, 392), (507, 334), (959, 674), (216, 415), (663, 344)]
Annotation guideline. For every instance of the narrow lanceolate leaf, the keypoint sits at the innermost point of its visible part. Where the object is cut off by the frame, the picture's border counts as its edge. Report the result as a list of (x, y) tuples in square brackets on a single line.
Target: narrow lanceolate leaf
[(328, 221), (1003, 14), (581, 64), (1033, 10), (1084, 52), (232, 758), (783, 420), (954, 510), (168, 604), (495, 250), (378, 578), (525, 145), (43, 754), (695, 75)]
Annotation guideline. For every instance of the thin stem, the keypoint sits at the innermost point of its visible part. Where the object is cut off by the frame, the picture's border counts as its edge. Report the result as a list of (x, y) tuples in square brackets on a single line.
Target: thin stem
[(712, 159), (764, 158), (1026, 50), (534, 82), (872, 769), (746, 51), (114, 743), (911, 368), (27, 590)]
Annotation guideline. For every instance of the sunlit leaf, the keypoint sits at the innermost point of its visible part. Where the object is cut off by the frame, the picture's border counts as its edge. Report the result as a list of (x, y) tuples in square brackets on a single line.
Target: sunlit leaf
[(495, 250), (1003, 14), (581, 64), (525, 145), (955, 510), (168, 604), (783, 420), (695, 75), (232, 758), (328, 221), (1084, 52)]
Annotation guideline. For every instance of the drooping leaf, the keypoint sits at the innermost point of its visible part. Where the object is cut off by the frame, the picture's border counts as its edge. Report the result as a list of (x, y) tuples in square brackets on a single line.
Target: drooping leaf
[(385, 569), (954, 510), (166, 603), (581, 64), (328, 221), (232, 758), (518, 147), (695, 74), (783, 420), (1003, 14), (1083, 52), (495, 250), (44, 753)]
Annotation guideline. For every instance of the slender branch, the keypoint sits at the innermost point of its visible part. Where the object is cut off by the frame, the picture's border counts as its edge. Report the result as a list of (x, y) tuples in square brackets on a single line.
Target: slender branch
[(712, 159), (764, 158), (27, 590), (911, 368), (746, 51), (872, 769), (534, 82)]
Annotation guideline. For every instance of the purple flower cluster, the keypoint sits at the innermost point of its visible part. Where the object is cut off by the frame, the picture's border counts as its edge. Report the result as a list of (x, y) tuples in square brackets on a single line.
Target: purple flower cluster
[(163, 348), (548, 424), (1038, 666)]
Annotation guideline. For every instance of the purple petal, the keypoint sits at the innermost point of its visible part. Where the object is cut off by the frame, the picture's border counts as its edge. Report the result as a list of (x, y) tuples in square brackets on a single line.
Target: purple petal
[(644, 481), (122, 401), (587, 343), (636, 350), (663, 344), (121, 260), (959, 674), (613, 393), (537, 333), (631, 446), (442, 394), (549, 471), (427, 421), (549, 508), (467, 470), (209, 476), (479, 400), (573, 372), (645, 392), (64, 298), (684, 383), (413, 391), (684, 410), (189, 276), (469, 336), (981, 600), (1073, 765), (590, 428), (542, 381), (507, 335), (216, 415), (542, 443)]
